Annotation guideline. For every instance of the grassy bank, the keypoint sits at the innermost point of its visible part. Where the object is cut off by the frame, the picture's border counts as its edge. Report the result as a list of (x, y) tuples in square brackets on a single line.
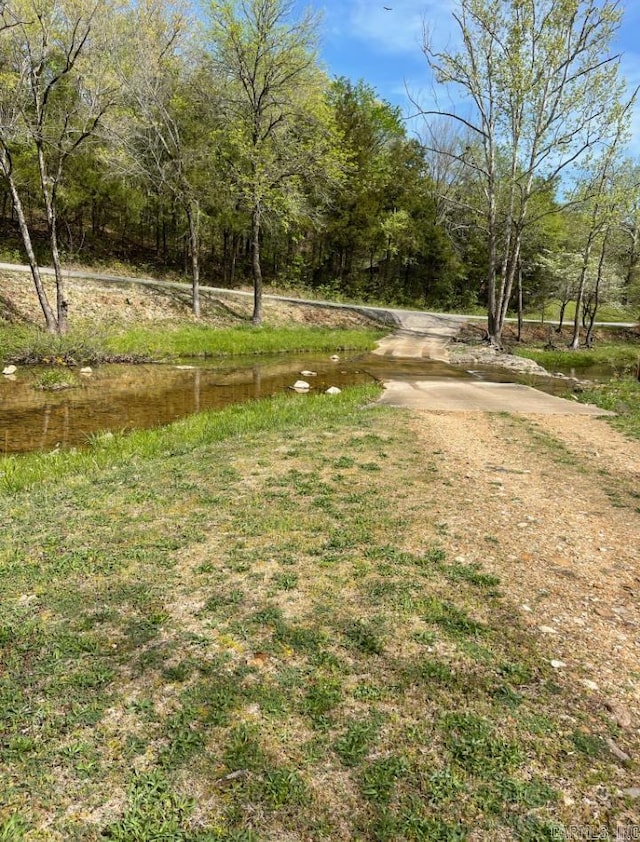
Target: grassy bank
[(196, 341), (243, 627), (621, 357), (91, 345), (621, 394)]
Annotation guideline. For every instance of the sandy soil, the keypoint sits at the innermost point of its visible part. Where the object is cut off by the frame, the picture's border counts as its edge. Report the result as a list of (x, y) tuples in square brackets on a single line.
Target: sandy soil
[(127, 304)]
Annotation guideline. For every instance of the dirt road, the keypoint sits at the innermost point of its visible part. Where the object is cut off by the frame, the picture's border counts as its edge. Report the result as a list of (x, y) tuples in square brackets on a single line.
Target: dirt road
[(547, 497), (551, 504)]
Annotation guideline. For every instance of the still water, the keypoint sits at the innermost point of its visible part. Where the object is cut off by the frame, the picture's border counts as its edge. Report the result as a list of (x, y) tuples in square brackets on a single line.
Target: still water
[(127, 397)]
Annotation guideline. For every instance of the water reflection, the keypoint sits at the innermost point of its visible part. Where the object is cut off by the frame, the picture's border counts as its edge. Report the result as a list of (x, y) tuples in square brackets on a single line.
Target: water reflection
[(132, 397), (121, 398)]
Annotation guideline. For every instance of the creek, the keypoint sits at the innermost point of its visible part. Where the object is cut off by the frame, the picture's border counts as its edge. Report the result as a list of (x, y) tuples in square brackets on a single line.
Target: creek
[(126, 397)]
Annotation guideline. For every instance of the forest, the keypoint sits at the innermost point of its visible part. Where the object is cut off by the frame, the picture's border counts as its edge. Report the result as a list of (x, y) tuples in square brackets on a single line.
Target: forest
[(208, 141)]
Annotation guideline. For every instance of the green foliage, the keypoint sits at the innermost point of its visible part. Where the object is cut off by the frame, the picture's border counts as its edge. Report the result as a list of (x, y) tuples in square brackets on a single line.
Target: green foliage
[(365, 636), (355, 743), (12, 829), (622, 397), (154, 811), (28, 345), (476, 747), (54, 379)]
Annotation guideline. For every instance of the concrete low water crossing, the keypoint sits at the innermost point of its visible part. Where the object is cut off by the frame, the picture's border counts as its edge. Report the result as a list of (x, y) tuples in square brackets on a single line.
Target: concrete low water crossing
[(425, 335), (118, 398), (412, 363)]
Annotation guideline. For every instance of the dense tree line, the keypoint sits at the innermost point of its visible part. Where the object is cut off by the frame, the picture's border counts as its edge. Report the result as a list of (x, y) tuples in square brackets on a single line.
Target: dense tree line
[(210, 141)]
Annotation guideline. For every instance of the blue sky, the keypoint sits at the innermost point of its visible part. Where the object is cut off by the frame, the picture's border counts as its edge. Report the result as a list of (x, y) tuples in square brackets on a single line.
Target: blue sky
[(360, 39)]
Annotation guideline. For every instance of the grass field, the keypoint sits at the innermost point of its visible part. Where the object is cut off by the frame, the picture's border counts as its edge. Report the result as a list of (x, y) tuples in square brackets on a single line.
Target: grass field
[(244, 627)]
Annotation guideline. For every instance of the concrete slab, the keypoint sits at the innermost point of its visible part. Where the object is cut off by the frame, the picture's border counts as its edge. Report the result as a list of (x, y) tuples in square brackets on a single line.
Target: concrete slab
[(472, 396), (420, 336)]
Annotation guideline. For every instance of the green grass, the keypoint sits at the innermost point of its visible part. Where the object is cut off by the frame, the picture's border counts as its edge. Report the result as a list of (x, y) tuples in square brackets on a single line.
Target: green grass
[(622, 357), (606, 313), (54, 379), (88, 344), (193, 649), (620, 395), (23, 344), (200, 341)]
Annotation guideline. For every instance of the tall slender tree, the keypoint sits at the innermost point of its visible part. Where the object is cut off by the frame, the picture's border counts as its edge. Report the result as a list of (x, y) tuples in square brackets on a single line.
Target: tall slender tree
[(280, 131), (166, 131), (543, 86), (56, 87)]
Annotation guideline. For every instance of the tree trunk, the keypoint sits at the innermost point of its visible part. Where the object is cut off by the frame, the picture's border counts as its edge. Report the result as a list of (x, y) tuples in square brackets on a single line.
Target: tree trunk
[(494, 327), (235, 244), (632, 262), (49, 316), (596, 293), (49, 185), (575, 339), (563, 307), (192, 212), (257, 269), (520, 303)]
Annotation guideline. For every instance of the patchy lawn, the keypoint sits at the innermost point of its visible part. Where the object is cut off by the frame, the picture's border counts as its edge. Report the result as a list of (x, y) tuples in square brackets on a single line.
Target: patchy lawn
[(261, 635)]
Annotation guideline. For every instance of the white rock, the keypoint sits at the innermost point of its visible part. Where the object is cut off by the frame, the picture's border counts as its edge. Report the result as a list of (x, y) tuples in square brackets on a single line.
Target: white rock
[(333, 390), (301, 386), (526, 608), (617, 752), (86, 370), (10, 369), (547, 630), (185, 367), (590, 685), (306, 373), (335, 358), (558, 665)]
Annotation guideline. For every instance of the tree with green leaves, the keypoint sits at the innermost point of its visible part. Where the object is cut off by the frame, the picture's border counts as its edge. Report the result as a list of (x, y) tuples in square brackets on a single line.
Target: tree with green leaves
[(166, 131), (602, 195), (57, 84), (280, 132), (542, 86)]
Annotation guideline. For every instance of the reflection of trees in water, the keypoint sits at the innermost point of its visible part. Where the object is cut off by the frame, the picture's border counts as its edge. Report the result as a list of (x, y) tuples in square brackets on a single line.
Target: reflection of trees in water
[(46, 418), (196, 390), (139, 397), (55, 435), (257, 381)]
